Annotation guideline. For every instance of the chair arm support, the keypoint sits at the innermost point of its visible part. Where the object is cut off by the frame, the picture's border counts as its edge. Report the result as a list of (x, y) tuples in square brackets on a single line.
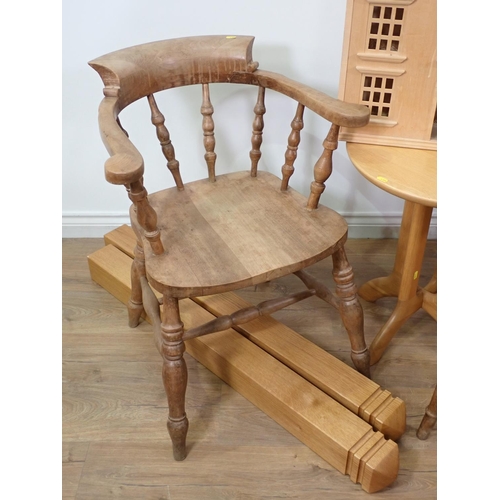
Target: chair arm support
[(335, 111), (125, 164)]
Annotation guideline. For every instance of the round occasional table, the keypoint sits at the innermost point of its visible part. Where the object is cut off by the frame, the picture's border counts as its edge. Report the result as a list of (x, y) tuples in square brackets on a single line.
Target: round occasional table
[(409, 174)]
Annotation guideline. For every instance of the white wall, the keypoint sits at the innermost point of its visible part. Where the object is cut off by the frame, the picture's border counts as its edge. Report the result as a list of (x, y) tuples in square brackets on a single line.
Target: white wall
[(302, 40)]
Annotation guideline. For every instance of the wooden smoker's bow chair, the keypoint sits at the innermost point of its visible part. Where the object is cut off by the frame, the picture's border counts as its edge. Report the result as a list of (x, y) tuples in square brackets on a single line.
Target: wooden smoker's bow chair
[(227, 232)]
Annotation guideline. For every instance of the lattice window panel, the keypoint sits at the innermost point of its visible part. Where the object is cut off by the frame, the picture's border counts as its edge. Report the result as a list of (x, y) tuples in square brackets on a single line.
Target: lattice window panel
[(376, 93), (385, 27)]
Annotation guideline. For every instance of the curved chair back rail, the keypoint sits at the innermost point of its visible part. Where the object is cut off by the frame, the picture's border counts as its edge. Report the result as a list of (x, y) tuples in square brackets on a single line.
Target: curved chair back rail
[(137, 71)]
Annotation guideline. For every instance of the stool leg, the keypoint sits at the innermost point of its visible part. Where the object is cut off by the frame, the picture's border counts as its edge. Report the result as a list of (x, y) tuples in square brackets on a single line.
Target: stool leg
[(174, 375), (351, 311), (429, 419), (134, 305)]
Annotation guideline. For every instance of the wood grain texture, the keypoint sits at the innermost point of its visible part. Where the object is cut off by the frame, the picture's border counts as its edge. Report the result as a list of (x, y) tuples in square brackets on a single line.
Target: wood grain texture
[(344, 440), (230, 241), (257, 128), (74, 455), (323, 167), (335, 378), (207, 110), (136, 72), (214, 237), (321, 423), (430, 418), (347, 386), (158, 120), (173, 63), (229, 437), (410, 174), (389, 64), (293, 143), (331, 109)]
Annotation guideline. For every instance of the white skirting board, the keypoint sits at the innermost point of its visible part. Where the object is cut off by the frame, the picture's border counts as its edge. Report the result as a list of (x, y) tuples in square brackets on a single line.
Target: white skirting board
[(361, 225)]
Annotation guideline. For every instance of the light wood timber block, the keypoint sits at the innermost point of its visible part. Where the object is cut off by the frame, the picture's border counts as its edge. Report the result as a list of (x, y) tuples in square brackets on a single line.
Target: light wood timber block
[(347, 386), (325, 426), (123, 238), (353, 390)]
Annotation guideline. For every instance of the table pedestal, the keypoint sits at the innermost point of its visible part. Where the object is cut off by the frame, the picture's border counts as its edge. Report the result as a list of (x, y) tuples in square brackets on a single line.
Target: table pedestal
[(403, 281)]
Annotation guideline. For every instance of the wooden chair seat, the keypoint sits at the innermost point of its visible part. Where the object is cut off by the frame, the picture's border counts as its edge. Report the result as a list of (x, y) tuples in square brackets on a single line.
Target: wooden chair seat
[(259, 232)]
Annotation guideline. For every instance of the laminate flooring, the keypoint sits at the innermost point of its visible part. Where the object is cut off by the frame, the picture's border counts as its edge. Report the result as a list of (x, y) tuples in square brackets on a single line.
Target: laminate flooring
[(115, 443)]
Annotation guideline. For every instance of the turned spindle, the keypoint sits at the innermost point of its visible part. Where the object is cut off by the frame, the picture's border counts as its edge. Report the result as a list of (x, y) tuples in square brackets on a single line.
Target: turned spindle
[(135, 305), (208, 126), (323, 167), (258, 127), (146, 216), (351, 311), (163, 135), (174, 375), (293, 142), (247, 314)]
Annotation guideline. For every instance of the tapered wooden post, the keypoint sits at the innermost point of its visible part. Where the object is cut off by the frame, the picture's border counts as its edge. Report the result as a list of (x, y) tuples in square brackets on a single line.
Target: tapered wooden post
[(146, 216), (208, 126), (323, 167), (174, 375), (430, 418), (258, 127), (163, 135), (293, 142), (351, 311), (138, 269)]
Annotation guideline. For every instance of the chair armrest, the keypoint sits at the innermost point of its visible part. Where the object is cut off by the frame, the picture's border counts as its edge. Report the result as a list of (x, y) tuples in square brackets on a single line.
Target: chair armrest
[(335, 111), (125, 164)]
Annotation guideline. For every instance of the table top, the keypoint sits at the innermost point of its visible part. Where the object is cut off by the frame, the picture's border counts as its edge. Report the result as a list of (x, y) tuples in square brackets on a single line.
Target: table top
[(408, 173)]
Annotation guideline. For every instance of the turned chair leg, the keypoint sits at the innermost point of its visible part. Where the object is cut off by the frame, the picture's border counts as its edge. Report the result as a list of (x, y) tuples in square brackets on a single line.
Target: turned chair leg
[(174, 375), (134, 305), (429, 419), (351, 311)]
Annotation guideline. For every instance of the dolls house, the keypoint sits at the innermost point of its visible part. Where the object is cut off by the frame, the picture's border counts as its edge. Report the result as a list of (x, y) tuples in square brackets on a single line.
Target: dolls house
[(389, 64)]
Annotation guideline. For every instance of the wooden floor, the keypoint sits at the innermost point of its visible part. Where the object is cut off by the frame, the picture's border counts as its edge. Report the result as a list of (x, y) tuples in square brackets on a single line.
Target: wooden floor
[(115, 442)]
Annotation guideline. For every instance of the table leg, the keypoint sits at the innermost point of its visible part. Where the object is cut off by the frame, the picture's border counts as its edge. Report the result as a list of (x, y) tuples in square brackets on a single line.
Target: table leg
[(388, 286), (431, 287), (430, 418), (410, 297)]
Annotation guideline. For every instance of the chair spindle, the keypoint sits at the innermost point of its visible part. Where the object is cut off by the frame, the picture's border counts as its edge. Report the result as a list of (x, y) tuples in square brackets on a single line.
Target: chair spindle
[(208, 126), (293, 142), (163, 135), (323, 167), (146, 215), (258, 127)]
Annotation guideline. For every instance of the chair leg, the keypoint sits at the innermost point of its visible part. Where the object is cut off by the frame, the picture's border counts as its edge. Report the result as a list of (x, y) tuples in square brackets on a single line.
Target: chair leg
[(134, 305), (174, 375), (351, 311), (429, 419)]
